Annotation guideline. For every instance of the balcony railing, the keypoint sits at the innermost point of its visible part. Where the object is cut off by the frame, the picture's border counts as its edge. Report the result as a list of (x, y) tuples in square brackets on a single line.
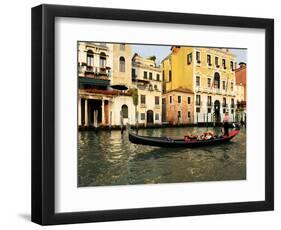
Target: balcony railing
[(93, 71), (198, 89)]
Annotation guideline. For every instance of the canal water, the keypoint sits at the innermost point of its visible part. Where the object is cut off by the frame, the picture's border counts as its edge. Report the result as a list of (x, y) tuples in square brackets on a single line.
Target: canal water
[(106, 158)]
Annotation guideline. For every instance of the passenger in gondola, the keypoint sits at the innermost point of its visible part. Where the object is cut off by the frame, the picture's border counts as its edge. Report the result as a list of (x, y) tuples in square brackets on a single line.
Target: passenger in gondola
[(186, 139), (225, 123), (209, 135)]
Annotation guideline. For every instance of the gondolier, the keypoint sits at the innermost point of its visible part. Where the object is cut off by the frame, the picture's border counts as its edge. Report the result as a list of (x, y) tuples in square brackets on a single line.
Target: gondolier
[(225, 123)]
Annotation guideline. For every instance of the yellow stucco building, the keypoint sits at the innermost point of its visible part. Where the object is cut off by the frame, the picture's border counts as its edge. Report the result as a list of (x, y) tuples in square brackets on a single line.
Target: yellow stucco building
[(209, 73)]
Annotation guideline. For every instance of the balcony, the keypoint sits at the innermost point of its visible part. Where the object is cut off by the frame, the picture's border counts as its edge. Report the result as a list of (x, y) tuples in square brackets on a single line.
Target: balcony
[(198, 89), (93, 71), (217, 91), (208, 90)]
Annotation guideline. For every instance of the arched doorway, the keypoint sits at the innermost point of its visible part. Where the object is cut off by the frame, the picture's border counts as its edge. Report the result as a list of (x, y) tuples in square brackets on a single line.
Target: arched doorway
[(217, 111), (149, 117), (125, 111)]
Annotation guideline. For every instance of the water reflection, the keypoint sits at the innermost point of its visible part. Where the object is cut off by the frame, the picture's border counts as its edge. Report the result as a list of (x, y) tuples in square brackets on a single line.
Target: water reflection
[(110, 159)]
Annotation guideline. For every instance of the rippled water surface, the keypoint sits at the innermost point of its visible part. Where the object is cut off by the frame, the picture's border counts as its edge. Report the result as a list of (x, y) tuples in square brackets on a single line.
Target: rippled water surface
[(106, 158)]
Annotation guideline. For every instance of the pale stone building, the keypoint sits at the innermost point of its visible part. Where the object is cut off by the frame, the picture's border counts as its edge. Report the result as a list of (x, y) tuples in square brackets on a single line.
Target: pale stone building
[(147, 78), (100, 66)]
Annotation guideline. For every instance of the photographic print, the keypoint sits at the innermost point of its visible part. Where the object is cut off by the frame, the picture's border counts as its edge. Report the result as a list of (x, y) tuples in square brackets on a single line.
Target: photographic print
[(177, 110), (150, 114)]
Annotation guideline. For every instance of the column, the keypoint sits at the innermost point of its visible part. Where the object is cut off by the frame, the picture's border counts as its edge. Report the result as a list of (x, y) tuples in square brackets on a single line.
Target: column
[(86, 112), (102, 113), (79, 111)]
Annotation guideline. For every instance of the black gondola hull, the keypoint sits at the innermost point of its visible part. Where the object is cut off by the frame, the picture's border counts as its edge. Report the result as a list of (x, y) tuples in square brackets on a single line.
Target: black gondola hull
[(172, 143)]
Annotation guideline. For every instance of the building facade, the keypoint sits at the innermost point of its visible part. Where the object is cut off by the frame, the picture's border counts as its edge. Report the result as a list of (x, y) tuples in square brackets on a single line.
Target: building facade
[(147, 78), (178, 106), (241, 95), (209, 73), (100, 66)]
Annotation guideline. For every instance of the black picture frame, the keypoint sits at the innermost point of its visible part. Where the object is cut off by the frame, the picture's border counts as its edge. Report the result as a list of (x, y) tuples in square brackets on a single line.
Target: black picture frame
[(43, 114)]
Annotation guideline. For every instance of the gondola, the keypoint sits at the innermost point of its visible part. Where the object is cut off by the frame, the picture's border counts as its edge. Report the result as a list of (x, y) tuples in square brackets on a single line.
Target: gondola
[(172, 142)]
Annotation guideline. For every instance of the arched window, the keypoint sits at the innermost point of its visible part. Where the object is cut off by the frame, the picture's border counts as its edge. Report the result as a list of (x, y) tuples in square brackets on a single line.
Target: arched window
[(102, 60), (90, 58), (124, 109), (217, 80), (121, 64)]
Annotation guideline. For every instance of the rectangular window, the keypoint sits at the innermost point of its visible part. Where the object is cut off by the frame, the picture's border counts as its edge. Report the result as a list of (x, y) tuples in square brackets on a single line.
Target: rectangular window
[(223, 85), (223, 110), (189, 58), (223, 63), (102, 62), (188, 100), (158, 77), (171, 99), (142, 116), (231, 65), (157, 116), (179, 99), (198, 110), (209, 82), (217, 62), (163, 77), (134, 74), (231, 86), (232, 103), (209, 61), (163, 101), (209, 101), (198, 58), (90, 60), (188, 114), (145, 75), (142, 99), (232, 111), (156, 100), (224, 102), (209, 110), (197, 81), (170, 75), (198, 99), (179, 114), (150, 76)]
